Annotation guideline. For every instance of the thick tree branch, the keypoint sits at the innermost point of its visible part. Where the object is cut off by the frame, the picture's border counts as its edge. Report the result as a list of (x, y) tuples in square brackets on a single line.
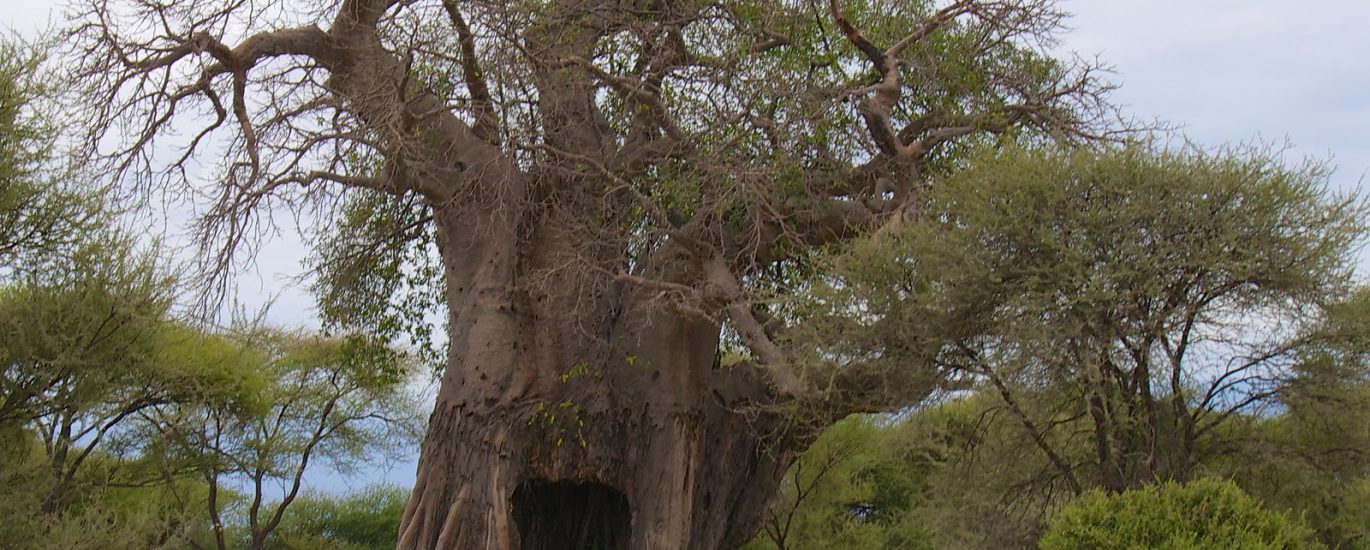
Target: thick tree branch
[(753, 334), (481, 102)]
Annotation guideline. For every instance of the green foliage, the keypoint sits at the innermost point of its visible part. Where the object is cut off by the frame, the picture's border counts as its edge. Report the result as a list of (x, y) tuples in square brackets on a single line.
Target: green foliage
[(41, 217), (378, 272), (945, 476), (1313, 459), (1200, 515), (78, 301), (73, 337), (1036, 243), (774, 134), (1122, 316), (332, 398), (105, 505), (340, 401), (1093, 229), (851, 489), (963, 474), (366, 520), (118, 419), (986, 484), (88, 353), (84, 331), (102, 389)]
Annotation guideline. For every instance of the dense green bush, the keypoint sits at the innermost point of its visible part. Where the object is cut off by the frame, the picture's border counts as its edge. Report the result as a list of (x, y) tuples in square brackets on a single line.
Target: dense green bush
[(1204, 514), (367, 520)]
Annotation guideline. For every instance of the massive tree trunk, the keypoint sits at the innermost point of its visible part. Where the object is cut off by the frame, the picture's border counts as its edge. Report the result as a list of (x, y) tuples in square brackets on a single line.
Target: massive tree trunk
[(524, 475), (577, 412)]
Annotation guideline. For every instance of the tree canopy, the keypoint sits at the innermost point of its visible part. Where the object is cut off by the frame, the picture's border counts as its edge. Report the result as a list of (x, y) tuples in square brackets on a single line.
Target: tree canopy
[(1150, 293), (42, 216), (736, 135), (99, 374)]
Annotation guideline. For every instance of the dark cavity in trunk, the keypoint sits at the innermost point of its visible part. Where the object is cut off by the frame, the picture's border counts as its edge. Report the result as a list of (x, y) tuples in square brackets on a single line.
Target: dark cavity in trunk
[(571, 516)]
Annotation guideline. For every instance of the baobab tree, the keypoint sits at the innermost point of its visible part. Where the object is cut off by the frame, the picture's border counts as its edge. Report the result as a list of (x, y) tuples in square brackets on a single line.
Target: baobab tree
[(616, 190)]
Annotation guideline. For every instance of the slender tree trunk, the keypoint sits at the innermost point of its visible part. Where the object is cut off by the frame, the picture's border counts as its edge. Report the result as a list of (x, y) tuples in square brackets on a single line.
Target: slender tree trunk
[(61, 446)]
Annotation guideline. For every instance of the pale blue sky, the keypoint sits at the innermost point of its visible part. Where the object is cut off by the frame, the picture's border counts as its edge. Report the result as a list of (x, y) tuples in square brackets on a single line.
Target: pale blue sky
[(1226, 70)]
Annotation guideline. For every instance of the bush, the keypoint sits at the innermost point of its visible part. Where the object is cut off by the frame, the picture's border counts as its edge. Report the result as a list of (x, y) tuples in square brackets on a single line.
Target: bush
[(368, 520), (1204, 514)]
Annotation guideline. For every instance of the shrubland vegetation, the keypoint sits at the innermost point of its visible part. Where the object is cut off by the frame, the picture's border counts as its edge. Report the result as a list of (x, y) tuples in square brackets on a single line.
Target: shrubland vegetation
[(1057, 335), (125, 425)]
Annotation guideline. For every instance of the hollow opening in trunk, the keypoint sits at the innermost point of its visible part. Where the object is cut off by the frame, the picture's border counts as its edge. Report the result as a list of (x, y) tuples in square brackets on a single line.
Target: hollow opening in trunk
[(564, 515)]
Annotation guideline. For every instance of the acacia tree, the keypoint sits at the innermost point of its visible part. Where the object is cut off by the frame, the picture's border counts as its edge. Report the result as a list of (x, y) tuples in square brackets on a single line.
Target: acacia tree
[(339, 401), (82, 311), (43, 213), (614, 189), (78, 360), (853, 488), (1314, 458), (1135, 298)]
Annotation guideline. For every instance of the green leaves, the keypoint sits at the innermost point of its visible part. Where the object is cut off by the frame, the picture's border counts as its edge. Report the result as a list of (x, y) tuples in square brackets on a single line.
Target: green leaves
[(1037, 245), (851, 489), (365, 520), (378, 273), (42, 218), (73, 339), (1202, 514), (340, 401)]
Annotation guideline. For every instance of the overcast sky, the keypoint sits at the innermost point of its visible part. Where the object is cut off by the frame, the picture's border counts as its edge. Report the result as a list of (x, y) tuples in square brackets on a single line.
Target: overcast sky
[(1226, 70), (1236, 70)]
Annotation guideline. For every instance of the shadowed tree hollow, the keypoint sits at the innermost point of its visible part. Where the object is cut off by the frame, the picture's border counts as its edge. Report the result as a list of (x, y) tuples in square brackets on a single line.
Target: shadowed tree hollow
[(618, 194)]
